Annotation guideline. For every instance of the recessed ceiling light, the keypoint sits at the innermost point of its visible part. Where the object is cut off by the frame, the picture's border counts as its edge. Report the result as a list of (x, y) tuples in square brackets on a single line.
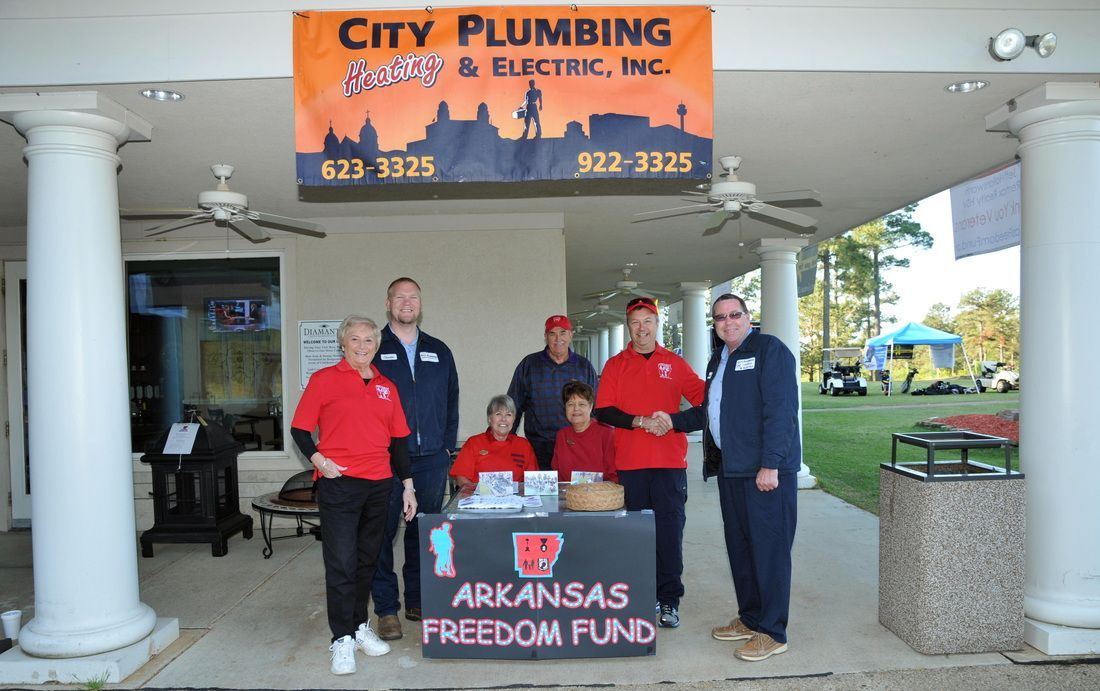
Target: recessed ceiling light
[(966, 87), (162, 95)]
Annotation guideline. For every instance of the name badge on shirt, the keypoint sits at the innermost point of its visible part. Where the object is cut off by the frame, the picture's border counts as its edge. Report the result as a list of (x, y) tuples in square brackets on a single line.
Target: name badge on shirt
[(389, 356), (429, 357), (747, 363)]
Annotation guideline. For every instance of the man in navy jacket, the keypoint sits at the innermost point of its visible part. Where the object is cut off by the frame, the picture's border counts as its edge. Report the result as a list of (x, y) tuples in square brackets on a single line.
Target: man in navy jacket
[(750, 413), (423, 369)]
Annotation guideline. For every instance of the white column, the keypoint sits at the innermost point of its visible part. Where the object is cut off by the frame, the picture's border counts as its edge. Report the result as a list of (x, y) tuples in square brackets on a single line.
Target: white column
[(779, 312), (615, 340), (82, 507), (1059, 130), (696, 335), (603, 346)]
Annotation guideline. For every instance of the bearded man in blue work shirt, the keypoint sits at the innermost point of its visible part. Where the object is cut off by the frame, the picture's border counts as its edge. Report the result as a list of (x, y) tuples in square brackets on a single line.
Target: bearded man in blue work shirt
[(423, 369), (537, 383), (750, 413)]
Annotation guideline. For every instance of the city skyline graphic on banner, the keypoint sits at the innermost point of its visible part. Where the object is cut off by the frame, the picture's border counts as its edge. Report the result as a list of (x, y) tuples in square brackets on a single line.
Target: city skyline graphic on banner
[(461, 149)]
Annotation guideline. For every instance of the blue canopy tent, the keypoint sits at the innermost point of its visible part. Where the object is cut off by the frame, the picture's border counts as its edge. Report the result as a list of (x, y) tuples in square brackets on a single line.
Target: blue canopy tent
[(879, 350)]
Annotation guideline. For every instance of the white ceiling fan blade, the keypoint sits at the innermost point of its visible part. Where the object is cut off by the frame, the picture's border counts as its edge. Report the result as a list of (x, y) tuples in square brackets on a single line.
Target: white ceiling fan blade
[(651, 294), (695, 193), (248, 229), (176, 225), (785, 215), (151, 213), (715, 221), (674, 208), (610, 295), (602, 293), (294, 225), (790, 196)]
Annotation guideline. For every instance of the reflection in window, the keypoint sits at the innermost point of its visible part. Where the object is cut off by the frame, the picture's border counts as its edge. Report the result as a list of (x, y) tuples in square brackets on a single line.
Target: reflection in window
[(205, 340)]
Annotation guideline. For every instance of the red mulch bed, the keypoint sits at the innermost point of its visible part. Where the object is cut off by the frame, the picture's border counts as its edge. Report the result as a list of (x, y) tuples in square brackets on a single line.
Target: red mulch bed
[(985, 424)]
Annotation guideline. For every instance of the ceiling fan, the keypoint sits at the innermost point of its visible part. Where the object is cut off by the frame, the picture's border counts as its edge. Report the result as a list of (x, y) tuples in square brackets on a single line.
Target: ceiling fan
[(598, 311), (730, 197), (227, 208), (625, 287)]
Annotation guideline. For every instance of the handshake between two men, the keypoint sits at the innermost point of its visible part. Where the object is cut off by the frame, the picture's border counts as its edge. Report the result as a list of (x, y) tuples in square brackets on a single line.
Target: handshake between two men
[(658, 424)]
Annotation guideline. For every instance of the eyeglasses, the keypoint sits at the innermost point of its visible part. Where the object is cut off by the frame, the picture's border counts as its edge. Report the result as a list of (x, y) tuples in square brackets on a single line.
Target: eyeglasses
[(729, 315)]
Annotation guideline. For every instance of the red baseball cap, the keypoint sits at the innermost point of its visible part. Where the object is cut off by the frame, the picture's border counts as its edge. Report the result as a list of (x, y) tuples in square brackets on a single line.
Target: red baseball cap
[(558, 321), (642, 303)]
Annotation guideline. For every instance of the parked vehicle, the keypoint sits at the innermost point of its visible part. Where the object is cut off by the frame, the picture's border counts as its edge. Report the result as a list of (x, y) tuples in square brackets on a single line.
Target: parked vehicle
[(841, 372), (993, 377)]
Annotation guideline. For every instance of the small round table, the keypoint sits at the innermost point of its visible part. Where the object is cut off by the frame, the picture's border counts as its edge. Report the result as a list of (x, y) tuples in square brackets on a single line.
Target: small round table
[(269, 506)]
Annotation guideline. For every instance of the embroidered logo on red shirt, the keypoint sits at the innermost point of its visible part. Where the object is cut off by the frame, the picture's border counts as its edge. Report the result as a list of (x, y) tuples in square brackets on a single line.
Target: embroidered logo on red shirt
[(664, 369), (383, 392)]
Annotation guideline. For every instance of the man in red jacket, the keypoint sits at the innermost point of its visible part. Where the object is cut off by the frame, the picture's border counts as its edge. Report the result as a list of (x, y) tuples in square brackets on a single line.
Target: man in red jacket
[(652, 464)]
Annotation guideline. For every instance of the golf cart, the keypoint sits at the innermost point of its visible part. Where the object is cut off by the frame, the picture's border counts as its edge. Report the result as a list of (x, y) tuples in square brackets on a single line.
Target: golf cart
[(840, 372), (993, 377)]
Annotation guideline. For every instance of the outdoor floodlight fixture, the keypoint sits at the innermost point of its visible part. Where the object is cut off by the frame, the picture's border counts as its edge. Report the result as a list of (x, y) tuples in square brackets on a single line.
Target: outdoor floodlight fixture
[(1010, 44)]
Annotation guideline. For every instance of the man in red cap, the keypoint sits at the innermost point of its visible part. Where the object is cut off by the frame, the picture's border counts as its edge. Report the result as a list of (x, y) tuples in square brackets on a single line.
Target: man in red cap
[(652, 462), (537, 383)]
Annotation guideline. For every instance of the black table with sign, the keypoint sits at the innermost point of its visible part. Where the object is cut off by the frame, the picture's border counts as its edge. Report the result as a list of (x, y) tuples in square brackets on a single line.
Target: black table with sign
[(537, 583)]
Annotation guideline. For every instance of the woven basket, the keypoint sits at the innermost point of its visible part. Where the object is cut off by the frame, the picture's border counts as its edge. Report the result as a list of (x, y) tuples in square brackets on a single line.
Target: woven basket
[(594, 496)]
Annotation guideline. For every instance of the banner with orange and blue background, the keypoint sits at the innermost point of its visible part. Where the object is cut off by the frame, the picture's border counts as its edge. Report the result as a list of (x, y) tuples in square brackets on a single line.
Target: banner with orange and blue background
[(502, 94)]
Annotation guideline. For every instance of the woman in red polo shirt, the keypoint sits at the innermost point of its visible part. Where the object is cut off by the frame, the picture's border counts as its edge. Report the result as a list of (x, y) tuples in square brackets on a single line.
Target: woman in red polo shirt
[(361, 447), (497, 450)]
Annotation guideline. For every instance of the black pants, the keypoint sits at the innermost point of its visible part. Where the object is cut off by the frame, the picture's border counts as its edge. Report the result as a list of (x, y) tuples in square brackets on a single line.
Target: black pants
[(665, 491), (544, 452), (353, 521)]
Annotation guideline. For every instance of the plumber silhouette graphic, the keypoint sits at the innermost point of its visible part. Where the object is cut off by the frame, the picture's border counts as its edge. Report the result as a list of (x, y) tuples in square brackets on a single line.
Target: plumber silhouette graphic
[(443, 547), (532, 101)]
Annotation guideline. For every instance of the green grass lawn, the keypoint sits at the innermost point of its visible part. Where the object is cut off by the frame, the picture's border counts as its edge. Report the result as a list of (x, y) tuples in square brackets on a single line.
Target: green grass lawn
[(846, 437)]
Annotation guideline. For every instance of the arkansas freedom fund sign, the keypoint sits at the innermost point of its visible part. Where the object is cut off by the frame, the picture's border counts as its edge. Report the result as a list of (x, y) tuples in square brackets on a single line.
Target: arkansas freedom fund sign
[(544, 587)]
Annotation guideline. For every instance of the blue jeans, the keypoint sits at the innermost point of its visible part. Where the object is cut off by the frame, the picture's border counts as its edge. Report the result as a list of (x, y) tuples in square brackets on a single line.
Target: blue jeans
[(430, 480)]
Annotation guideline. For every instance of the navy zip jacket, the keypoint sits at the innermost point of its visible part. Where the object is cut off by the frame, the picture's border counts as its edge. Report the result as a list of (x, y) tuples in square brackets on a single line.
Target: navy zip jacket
[(759, 414), (429, 394)]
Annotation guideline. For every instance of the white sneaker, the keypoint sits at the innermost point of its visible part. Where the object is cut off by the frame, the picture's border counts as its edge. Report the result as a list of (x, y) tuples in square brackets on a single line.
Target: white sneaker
[(369, 642), (343, 655)]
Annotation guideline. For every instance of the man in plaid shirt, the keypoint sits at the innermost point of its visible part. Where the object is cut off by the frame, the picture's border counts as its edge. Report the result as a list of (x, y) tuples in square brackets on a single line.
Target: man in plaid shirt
[(537, 383)]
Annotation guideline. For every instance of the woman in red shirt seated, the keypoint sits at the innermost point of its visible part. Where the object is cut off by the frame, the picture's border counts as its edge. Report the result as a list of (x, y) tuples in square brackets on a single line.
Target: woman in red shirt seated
[(585, 445), (496, 450)]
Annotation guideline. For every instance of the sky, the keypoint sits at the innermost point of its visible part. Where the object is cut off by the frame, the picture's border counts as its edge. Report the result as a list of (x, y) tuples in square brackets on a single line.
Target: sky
[(935, 276)]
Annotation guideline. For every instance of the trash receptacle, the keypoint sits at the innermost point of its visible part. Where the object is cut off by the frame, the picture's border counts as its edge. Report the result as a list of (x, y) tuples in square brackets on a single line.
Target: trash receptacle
[(951, 547), (195, 495)]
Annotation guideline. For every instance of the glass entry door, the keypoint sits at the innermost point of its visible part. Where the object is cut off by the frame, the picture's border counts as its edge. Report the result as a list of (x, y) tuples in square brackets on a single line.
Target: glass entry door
[(15, 298)]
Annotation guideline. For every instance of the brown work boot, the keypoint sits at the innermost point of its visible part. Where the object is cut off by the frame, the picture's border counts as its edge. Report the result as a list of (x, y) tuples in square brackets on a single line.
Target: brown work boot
[(389, 627), (760, 647), (736, 631)]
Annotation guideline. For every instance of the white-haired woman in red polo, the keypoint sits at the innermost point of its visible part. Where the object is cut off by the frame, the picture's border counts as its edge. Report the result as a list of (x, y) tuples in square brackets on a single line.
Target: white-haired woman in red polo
[(361, 446)]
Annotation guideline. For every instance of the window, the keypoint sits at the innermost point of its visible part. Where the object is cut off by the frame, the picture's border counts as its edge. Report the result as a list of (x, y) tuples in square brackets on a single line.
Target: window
[(205, 339)]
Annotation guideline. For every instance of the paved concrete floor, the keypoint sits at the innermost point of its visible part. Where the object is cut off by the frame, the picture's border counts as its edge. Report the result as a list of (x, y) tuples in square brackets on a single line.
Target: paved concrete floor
[(248, 622)]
